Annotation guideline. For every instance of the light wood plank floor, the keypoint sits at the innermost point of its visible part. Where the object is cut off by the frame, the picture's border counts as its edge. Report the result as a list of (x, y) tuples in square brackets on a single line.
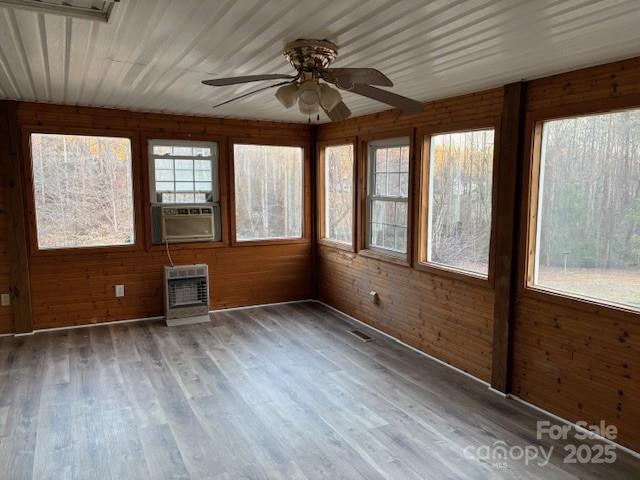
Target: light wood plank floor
[(282, 392)]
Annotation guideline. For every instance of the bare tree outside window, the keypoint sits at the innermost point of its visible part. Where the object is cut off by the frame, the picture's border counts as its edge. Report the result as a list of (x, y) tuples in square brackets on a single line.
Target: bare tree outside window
[(83, 191), (268, 191), (588, 220), (338, 193), (460, 185)]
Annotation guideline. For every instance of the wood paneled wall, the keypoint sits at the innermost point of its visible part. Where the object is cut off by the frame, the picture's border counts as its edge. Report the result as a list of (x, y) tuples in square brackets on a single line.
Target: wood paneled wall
[(448, 318), (76, 287), (572, 358), (578, 360), (6, 313)]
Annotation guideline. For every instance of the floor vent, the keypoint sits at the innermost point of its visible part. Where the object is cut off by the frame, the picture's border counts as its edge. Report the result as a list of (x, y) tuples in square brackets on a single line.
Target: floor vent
[(361, 335)]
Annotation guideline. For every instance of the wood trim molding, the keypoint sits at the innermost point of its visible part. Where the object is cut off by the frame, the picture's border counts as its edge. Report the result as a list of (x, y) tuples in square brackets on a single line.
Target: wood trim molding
[(306, 191), (223, 188), (319, 210), (505, 233), (10, 161), (28, 193)]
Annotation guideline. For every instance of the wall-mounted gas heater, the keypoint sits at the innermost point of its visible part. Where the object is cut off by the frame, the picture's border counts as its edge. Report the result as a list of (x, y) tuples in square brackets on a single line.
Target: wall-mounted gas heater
[(186, 298)]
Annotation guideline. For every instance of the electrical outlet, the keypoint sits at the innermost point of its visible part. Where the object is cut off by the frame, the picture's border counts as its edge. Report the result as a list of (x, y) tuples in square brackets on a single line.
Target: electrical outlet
[(5, 299), (119, 290), (373, 296)]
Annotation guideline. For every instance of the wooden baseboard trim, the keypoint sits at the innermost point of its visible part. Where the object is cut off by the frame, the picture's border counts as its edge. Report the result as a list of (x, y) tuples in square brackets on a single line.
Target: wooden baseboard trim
[(144, 319)]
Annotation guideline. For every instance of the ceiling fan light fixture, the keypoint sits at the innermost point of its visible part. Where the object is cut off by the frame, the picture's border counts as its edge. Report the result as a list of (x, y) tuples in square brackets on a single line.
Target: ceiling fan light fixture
[(329, 97), (308, 108), (309, 93), (287, 95)]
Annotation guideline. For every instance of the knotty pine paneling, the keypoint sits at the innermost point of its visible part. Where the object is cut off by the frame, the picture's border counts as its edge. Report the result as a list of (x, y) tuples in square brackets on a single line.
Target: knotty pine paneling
[(577, 360), (449, 319), (76, 288), (445, 317)]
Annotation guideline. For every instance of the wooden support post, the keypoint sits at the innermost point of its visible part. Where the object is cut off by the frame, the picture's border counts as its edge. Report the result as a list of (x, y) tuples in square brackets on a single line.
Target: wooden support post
[(507, 206), (314, 155), (11, 168)]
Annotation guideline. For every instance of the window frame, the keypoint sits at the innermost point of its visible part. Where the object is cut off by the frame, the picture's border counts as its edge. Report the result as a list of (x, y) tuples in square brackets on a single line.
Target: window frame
[(363, 247), (214, 160), (321, 204), (529, 208), (223, 190), (29, 193), (422, 215), (223, 187), (306, 188)]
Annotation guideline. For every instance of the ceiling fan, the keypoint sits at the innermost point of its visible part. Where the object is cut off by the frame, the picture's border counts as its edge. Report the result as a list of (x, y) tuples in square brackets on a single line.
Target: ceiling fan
[(311, 59)]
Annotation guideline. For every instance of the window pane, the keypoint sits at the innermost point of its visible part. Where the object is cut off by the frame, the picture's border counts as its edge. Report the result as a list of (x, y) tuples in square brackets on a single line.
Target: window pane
[(163, 163), (268, 191), (393, 185), (588, 238), (393, 159), (381, 185), (83, 190), (460, 183), (381, 160), (183, 151), (164, 175), (338, 200), (162, 150), (184, 175), (165, 186)]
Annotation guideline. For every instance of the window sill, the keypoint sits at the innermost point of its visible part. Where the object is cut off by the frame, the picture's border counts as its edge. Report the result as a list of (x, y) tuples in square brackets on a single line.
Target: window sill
[(399, 259), (76, 251), (454, 274), (573, 301), (272, 241), (337, 245)]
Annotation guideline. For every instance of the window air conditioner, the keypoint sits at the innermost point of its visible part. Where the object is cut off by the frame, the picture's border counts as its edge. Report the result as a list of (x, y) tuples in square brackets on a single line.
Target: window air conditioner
[(187, 223), (186, 294)]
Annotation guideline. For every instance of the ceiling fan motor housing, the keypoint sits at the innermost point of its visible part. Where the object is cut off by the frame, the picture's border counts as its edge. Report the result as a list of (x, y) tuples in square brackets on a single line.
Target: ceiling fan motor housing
[(310, 55)]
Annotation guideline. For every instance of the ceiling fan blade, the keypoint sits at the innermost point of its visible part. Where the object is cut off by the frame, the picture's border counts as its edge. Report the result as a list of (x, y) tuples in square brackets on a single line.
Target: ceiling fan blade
[(345, 77), (407, 105), (252, 92), (338, 113), (221, 82)]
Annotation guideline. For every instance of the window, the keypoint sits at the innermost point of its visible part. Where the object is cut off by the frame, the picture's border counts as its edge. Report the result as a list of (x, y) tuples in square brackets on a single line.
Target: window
[(268, 183), (388, 195), (338, 193), (183, 171), (587, 241), (459, 201), (83, 191)]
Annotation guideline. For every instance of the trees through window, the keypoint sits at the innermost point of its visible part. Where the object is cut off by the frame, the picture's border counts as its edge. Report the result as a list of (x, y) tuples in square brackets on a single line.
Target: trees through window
[(588, 208), (338, 193), (268, 182), (83, 190), (460, 199)]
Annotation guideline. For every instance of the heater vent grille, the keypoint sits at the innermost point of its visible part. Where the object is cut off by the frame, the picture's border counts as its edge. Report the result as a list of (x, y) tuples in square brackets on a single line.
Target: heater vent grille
[(186, 292)]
